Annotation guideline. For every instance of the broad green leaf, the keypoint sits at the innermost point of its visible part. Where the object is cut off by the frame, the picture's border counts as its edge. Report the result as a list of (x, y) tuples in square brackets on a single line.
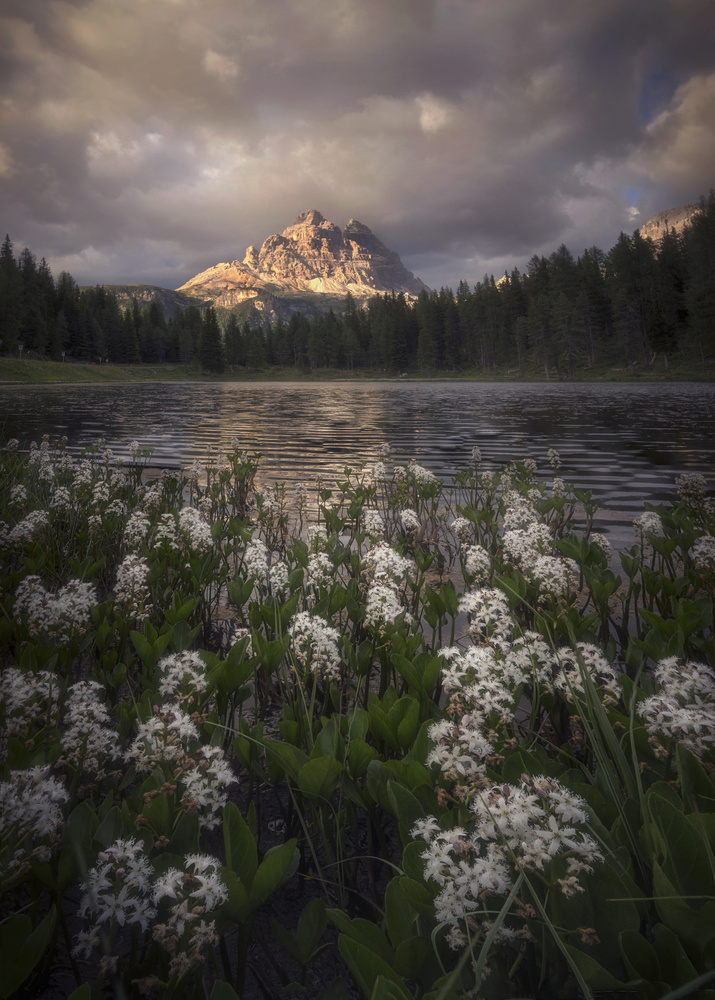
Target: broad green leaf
[(686, 863), (386, 989), (363, 931), (694, 927), (272, 872), (83, 992), (366, 966), (399, 914), (110, 829), (311, 927), (360, 754), (223, 991), (593, 972), (185, 838), (237, 907), (21, 949), (239, 845), (319, 777), (639, 958)]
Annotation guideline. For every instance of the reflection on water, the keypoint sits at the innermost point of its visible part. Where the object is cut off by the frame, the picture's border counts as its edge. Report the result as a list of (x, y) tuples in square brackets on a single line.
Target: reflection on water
[(627, 442)]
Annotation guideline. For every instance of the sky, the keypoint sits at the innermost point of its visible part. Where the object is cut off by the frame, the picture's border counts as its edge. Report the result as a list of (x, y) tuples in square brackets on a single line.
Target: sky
[(142, 141)]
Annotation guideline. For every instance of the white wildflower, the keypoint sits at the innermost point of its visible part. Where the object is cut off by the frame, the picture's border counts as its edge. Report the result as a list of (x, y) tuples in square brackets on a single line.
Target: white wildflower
[(477, 563), (383, 607), (373, 522), (182, 677), (195, 530), (409, 520), (703, 553), (488, 613), (315, 645)]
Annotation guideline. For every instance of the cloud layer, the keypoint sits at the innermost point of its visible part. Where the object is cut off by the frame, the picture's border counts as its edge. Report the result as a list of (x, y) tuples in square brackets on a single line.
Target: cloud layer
[(144, 141)]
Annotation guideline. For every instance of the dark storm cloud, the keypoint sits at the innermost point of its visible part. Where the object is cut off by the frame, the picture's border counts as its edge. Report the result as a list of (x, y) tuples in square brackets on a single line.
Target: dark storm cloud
[(146, 141)]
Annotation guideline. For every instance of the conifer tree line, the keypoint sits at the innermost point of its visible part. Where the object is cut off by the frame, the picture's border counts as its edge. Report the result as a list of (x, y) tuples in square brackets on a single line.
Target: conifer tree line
[(640, 299)]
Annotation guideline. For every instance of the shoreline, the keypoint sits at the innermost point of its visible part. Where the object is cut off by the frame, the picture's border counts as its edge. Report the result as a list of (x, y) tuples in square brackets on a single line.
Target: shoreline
[(14, 371)]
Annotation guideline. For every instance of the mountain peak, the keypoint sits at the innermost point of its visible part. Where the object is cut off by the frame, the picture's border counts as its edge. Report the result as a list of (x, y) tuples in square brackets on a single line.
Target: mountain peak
[(313, 256), (310, 218)]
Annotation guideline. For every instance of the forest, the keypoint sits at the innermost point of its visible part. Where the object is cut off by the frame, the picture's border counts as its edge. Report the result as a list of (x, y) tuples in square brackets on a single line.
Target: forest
[(639, 300)]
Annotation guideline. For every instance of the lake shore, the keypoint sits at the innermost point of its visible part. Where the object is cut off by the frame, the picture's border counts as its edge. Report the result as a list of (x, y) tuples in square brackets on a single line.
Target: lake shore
[(18, 371)]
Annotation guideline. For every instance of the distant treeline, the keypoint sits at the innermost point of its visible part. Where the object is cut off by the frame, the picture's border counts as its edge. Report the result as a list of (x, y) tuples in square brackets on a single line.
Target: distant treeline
[(639, 299)]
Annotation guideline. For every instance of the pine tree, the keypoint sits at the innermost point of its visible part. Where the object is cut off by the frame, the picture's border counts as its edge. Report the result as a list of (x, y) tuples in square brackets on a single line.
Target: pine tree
[(211, 351), (700, 289), (10, 299), (234, 352)]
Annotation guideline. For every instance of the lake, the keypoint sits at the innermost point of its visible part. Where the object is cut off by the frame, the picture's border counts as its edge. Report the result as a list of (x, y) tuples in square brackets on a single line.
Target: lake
[(625, 441)]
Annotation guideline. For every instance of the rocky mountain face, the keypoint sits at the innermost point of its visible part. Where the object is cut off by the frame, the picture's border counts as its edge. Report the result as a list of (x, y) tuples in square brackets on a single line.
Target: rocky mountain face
[(311, 258), (673, 219)]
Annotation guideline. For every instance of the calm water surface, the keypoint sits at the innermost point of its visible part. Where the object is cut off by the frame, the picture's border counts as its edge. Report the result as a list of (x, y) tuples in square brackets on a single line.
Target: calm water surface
[(626, 442)]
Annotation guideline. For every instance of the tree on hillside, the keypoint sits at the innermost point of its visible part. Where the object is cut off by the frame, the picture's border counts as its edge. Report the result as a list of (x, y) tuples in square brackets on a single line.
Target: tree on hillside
[(211, 351), (10, 298), (235, 348), (700, 291)]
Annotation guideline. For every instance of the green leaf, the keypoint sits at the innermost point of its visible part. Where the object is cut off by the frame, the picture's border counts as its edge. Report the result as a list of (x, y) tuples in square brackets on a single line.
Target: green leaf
[(366, 966), (223, 991), (694, 927), (240, 845), (697, 788), (680, 969), (639, 958), (76, 845), (237, 907), (686, 863), (319, 777), (272, 872), (329, 741), (363, 931), (386, 989), (83, 992), (290, 758), (592, 971), (360, 754), (311, 927), (185, 838), (110, 829), (21, 949), (182, 635)]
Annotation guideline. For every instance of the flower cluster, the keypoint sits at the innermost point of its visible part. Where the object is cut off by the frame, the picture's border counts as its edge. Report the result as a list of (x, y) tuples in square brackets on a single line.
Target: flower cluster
[(683, 709), (515, 828), (383, 607), (28, 699), (385, 564), (117, 891), (488, 612), (195, 530), (132, 586), (31, 811), (89, 740), (60, 615), (205, 786), (182, 677), (191, 894), (166, 736), (315, 645)]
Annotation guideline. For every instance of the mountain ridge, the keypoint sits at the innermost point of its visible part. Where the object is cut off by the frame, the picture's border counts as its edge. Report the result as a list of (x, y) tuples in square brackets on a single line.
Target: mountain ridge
[(311, 256), (670, 220)]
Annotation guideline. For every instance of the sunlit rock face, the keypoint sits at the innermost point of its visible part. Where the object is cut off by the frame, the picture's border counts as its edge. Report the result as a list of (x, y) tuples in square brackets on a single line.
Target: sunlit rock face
[(672, 220), (312, 256)]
